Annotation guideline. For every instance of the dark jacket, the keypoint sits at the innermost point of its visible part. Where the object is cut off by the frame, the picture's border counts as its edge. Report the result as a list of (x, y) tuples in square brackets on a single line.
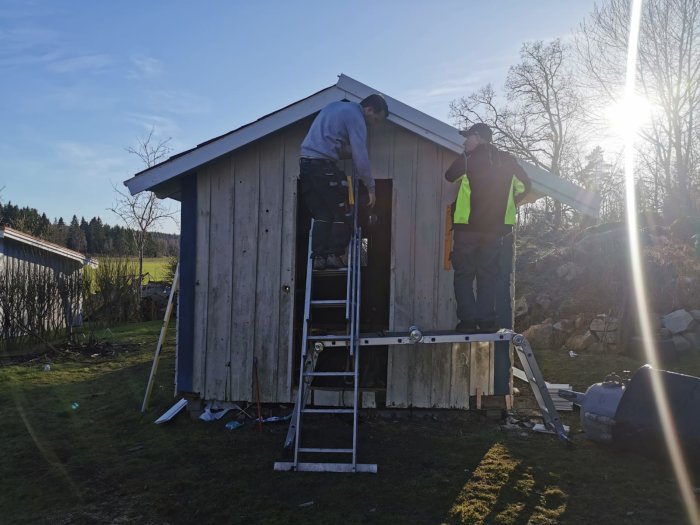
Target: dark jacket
[(487, 189)]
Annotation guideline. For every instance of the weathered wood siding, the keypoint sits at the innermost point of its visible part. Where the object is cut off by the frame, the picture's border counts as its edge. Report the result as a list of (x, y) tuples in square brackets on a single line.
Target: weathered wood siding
[(244, 286), (244, 275), (439, 376)]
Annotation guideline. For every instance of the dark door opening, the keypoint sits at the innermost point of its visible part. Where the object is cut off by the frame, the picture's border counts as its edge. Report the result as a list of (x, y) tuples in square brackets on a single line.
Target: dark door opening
[(375, 290)]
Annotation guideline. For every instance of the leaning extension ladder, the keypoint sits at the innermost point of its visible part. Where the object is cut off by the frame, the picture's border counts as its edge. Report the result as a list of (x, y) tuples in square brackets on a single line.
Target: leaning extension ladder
[(312, 345)]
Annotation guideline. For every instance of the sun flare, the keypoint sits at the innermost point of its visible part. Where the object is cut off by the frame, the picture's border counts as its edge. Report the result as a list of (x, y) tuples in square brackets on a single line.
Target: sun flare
[(628, 115)]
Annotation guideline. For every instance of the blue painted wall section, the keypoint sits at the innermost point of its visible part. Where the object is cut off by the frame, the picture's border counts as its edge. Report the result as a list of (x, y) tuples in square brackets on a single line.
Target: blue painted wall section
[(504, 311), (188, 238)]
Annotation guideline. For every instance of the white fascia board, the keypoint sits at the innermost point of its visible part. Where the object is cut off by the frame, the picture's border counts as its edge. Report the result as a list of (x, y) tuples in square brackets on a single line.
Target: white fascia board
[(217, 148), (15, 235), (407, 117)]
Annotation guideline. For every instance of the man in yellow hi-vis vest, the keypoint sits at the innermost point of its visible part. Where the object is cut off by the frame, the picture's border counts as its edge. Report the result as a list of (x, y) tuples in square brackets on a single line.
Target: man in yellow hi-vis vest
[(492, 183)]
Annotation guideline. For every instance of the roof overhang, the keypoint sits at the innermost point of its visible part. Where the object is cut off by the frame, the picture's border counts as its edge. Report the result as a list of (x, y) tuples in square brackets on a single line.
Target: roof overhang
[(162, 178), (29, 240)]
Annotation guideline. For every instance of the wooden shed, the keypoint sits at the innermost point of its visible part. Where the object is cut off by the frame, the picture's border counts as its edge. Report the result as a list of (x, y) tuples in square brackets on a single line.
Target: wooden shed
[(244, 243), (49, 269)]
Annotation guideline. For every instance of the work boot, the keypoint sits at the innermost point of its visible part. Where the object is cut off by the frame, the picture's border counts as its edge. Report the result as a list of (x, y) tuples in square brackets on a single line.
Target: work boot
[(334, 261), (319, 262)]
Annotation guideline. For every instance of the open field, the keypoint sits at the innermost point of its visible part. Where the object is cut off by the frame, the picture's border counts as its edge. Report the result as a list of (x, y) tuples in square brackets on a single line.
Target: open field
[(155, 267), (102, 461)]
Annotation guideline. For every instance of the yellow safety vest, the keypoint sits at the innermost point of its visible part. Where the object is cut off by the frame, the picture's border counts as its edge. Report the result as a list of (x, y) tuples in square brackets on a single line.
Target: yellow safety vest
[(463, 203)]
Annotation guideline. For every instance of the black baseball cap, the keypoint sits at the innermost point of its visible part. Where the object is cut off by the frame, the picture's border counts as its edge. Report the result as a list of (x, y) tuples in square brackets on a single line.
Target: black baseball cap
[(481, 129)]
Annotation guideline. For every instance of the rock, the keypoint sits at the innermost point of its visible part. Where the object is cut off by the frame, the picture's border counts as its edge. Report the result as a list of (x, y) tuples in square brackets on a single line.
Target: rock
[(693, 339), (539, 335), (569, 271), (604, 323), (604, 329), (580, 342), (681, 343), (564, 325), (520, 307), (580, 321), (609, 338), (544, 301), (695, 314), (678, 321)]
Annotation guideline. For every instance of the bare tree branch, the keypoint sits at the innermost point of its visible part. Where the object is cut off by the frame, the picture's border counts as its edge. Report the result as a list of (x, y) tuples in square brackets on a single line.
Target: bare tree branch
[(143, 212), (668, 73)]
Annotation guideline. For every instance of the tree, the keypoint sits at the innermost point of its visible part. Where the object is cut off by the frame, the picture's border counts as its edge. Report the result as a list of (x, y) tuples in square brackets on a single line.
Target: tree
[(668, 76), (96, 236), (607, 180), (143, 212), (540, 121), (59, 232), (76, 238)]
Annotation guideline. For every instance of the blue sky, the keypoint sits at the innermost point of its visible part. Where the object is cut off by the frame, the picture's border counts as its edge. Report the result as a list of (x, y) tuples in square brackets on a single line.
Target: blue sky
[(82, 80)]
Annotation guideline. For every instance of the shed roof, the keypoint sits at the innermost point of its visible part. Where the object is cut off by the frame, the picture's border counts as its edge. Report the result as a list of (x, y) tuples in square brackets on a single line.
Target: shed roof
[(15, 235), (160, 178)]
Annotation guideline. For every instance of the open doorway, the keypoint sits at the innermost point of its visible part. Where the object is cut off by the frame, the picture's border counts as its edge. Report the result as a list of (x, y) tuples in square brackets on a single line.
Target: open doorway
[(375, 293)]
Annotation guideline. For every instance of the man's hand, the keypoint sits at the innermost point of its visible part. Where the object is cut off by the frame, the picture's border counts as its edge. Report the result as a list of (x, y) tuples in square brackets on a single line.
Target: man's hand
[(372, 197)]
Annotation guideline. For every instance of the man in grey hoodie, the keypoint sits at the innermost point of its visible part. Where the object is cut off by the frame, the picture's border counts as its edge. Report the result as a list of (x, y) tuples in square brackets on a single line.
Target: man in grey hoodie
[(338, 132)]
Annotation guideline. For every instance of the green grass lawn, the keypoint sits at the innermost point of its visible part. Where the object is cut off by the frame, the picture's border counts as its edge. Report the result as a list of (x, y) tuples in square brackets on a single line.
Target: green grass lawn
[(77, 449), (155, 267)]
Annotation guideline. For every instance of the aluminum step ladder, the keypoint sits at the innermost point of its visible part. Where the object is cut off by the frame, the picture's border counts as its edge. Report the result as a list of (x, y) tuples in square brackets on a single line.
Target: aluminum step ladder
[(312, 345), (550, 415)]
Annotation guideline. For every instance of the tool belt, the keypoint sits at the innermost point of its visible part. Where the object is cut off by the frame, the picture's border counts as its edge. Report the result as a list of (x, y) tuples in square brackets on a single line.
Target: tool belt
[(317, 163)]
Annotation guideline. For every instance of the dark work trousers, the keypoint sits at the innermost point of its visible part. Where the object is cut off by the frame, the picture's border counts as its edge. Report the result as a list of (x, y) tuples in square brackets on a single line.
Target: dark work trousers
[(476, 256), (325, 191)]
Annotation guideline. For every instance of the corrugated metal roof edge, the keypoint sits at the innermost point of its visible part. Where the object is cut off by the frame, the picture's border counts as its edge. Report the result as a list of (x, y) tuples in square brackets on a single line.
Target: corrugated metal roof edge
[(19, 236)]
